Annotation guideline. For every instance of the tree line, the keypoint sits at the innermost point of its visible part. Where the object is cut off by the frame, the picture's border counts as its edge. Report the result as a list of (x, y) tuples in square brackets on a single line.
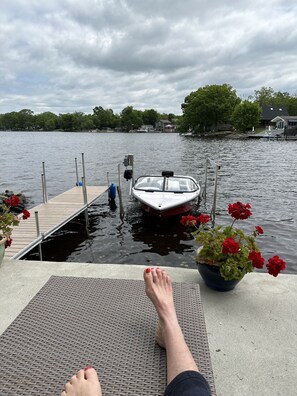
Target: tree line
[(213, 106), (128, 119), (203, 111)]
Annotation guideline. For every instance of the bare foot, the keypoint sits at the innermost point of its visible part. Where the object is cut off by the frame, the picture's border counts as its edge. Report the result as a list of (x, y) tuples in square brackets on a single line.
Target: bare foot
[(84, 383), (158, 288)]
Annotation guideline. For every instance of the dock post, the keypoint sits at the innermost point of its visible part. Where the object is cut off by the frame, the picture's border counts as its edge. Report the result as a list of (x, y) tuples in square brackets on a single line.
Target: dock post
[(83, 166), (205, 181), (76, 171), (120, 192), (44, 181), (38, 234), (107, 176), (43, 192), (214, 205), (84, 188)]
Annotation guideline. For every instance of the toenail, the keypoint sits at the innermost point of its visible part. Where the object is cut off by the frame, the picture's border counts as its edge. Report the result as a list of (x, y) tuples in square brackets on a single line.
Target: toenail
[(87, 368), (148, 270)]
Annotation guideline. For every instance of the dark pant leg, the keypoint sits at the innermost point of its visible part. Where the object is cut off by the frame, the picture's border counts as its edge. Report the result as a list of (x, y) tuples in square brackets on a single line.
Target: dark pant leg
[(188, 383)]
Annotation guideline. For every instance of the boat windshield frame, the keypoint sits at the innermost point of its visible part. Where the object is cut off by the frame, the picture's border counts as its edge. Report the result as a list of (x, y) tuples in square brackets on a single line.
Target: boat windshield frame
[(172, 184)]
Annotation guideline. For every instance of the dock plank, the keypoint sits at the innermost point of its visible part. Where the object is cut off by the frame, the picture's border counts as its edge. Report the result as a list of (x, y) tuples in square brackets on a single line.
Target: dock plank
[(52, 215)]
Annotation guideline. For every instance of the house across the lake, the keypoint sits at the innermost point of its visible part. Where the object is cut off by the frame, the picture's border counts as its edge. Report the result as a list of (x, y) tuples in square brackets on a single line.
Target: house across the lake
[(165, 126), (285, 122), (269, 113)]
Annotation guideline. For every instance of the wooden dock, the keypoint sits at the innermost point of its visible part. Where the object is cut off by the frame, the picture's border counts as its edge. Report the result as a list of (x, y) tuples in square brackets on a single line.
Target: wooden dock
[(52, 215)]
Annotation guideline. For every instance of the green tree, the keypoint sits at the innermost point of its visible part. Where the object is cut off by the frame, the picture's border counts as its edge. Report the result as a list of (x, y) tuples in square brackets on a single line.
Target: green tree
[(25, 119), (66, 121), (150, 117), (104, 118), (171, 117), (130, 118), (10, 120), (246, 115), (264, 96), (46, 121), (88, 123), (292, 105), (209, 106)]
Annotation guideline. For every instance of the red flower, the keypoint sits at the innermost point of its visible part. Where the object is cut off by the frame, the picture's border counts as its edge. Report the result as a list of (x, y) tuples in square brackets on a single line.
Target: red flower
[(188, 220), (203, 218), (256, 259), (259, 230), (239, 210), (12, 201), (230, 246), (8, 242), (275, 265), (26, 214)]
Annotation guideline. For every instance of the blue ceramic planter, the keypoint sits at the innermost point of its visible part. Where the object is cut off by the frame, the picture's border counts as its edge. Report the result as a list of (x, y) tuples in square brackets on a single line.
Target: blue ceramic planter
[(213, 279)]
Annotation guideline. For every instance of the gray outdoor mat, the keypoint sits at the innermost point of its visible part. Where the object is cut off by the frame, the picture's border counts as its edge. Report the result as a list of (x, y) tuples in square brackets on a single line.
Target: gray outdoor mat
[(107, 323)]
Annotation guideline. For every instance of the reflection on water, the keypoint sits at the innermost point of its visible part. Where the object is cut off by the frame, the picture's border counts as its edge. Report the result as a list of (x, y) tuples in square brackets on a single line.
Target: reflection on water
[(259, 172)]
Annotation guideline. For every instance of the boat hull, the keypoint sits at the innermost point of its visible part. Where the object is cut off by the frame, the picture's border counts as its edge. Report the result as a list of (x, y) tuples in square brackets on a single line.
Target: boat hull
[(165, 214)]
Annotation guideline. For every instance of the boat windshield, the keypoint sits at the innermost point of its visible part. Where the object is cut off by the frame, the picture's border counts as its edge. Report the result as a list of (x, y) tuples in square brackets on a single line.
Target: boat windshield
[(168, 184), (151, 183)]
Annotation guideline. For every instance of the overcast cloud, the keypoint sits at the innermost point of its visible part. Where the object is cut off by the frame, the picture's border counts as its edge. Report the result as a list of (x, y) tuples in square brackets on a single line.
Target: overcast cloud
[(73, 55)]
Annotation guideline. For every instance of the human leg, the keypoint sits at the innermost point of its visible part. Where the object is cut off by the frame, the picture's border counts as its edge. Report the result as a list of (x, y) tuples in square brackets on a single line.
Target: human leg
[(158, 287), (84, 383)]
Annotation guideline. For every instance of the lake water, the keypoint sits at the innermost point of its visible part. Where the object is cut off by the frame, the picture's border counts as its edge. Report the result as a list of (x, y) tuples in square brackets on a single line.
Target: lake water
[(260, 172)]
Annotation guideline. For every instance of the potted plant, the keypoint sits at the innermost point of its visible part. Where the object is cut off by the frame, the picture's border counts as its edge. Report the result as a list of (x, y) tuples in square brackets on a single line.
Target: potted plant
[(226, 254), (11, 213)]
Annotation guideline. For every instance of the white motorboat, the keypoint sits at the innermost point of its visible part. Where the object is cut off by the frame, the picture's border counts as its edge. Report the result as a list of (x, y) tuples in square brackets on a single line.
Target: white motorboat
[(166, 195)]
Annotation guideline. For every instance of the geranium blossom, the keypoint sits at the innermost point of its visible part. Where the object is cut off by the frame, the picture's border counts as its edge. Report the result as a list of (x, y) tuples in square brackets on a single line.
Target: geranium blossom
[(240, 211), (229, 245), (275, 265), (259, 230), (9, 217), (13, 201), (188, 220), (256, 259), (203, 218), (8, 242), (26, 214)]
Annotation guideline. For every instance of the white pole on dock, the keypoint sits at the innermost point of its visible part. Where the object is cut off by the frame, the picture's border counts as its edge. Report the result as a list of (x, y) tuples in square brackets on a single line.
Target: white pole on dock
[(76, 171), (86, 203), (83, 166), (43, 192), (214, 205), (122, 212), (44, 181), (38, 234), (205, 181)]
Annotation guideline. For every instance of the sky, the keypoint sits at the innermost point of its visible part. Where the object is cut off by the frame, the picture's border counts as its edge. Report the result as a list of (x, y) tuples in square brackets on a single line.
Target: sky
[(72, 55)]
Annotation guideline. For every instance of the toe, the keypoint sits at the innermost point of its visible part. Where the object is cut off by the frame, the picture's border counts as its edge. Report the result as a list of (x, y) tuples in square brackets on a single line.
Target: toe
[(73, 379), (147, 273), (91, 374), (80, 374), (154, 274)]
